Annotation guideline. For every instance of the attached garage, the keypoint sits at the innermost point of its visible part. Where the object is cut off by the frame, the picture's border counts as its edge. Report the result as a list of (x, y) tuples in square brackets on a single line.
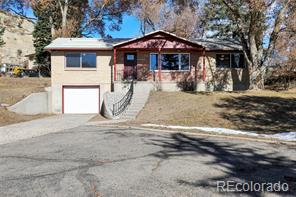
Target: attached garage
[(81, 99)]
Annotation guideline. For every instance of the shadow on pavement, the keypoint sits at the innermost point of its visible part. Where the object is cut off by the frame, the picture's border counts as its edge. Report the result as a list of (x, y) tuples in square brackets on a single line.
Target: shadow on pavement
[(239, 164)]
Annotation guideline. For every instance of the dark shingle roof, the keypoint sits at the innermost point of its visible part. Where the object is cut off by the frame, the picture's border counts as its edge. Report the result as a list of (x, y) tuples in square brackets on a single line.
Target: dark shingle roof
[(219, 44), (94, 43)]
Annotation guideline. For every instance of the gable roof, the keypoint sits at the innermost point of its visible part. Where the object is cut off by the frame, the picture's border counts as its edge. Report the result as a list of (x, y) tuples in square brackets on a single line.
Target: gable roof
[(109, 44), (155, 33)]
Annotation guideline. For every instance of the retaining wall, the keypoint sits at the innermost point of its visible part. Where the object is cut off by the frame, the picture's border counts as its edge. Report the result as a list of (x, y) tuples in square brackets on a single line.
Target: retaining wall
[(35, 103)]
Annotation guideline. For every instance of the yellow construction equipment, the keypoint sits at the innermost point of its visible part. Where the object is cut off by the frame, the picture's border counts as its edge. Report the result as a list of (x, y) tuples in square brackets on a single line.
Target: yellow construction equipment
[(18, 71)]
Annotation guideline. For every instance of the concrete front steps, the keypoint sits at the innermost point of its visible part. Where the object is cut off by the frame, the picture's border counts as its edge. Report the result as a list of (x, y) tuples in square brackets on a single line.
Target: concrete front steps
[(139, 99)]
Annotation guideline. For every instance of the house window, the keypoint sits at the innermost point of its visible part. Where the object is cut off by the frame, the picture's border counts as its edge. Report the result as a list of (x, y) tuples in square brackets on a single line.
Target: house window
[(81, 60), (172, 61), (153, 61), (237, 60), (88, 60), (73, 60), (185, 61), (230, 60), (223, 60)]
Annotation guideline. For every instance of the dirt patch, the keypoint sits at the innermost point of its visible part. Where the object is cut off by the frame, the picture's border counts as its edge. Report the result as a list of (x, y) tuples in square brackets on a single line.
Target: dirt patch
[(98, 118), (13, 90), (259, 111), (7, 117)]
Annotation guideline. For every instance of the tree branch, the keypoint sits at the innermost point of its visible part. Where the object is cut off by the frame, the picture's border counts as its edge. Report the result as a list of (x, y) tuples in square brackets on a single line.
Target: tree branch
[(20, 14), (61, 6), (276, 30)]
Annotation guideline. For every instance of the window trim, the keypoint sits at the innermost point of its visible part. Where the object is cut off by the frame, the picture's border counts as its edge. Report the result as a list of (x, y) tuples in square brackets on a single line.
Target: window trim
[(80, 67), (167, 53), (230, 60)]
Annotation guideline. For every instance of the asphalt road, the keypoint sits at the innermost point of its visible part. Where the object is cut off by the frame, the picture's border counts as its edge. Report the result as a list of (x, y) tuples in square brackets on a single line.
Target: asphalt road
[(105, 161)]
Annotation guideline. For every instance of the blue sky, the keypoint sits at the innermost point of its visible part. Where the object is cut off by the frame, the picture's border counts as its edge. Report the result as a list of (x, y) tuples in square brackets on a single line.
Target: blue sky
[(130, 27)]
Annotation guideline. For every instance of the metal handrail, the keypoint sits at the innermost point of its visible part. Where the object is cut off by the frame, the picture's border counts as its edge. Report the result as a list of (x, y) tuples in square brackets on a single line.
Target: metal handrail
[(121, 105)]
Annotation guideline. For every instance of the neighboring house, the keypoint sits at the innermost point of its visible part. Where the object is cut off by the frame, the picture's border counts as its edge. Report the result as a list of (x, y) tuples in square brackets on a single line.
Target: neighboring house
[(83, 69), (30, 61)]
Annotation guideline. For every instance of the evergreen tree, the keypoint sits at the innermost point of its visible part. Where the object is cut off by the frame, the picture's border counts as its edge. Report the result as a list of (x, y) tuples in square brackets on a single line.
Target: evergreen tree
[(217, 22), (2, 29), (42, 37)]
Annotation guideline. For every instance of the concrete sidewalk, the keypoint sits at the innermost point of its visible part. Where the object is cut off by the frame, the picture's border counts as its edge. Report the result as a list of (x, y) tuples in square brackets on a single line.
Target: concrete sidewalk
[(25, 130)]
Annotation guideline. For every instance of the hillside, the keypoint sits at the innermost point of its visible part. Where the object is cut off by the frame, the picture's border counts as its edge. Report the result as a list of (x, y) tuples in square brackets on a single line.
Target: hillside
[(18, 38)]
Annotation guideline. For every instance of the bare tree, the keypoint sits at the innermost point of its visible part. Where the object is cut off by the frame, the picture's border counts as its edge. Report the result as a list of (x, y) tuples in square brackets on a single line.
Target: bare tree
[(286, 43), (84, 16), (181, 18), (101, 12), (256, 23), (17, 7), (284, 57), (65, 16)]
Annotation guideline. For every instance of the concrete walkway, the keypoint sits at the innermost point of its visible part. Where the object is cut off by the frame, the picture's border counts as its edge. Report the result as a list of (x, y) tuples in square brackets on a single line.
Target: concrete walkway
[(25, 130), (140, 97)]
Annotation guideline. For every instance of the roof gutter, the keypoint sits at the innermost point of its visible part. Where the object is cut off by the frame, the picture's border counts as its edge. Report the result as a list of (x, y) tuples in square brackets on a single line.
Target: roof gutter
[(78, 49)]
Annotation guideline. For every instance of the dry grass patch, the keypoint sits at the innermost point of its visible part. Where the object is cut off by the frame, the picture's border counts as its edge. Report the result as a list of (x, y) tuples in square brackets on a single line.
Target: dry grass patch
[(13, 90), (259, 111)]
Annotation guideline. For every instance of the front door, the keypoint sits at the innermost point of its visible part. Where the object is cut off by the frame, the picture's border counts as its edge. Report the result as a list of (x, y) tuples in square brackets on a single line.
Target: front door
[(130, 66)]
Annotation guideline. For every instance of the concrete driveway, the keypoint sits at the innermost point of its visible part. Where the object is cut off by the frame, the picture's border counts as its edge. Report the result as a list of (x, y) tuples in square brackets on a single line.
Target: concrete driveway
[(105, 161), (25, 130)]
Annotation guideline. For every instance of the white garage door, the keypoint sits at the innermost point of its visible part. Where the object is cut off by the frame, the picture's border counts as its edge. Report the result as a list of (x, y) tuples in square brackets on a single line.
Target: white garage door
[(81, 100)]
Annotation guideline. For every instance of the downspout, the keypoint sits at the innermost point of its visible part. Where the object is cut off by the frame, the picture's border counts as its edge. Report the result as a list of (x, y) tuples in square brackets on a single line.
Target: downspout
[(204, 64), (114, 62), (195, 75), (159, 66), (114, 69)]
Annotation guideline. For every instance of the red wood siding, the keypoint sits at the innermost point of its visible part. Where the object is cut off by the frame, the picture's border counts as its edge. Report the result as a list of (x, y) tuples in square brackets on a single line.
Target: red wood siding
[(159, 40)]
